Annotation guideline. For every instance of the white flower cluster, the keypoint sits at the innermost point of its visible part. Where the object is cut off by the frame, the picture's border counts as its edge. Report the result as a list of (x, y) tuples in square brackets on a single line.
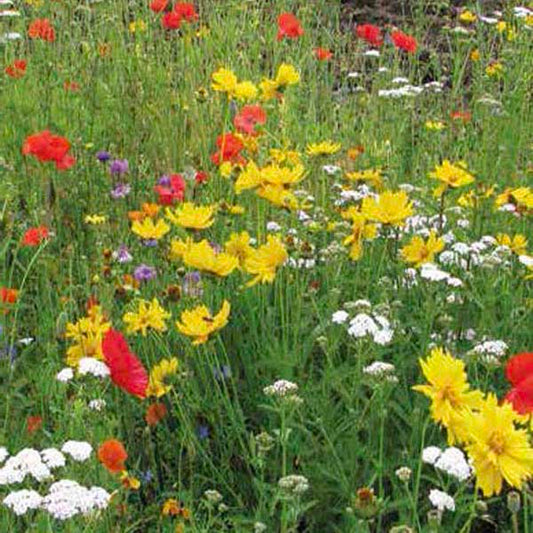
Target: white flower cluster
[(452, 461), (79, 450), (407, 89), (294, 484), (281, 389), (90, 365), (484, 253), (65, 375), (4, 454), (28, 462), (441, 500), (381, 371), (22, 501), (490, 351), (522, 12)]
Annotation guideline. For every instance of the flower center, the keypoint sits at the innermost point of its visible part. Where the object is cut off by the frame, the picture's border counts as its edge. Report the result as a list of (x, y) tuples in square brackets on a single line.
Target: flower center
[(497, 443)]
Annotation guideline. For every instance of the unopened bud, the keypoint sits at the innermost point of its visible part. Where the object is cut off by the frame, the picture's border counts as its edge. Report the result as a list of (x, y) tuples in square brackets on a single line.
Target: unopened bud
[(513, 501)]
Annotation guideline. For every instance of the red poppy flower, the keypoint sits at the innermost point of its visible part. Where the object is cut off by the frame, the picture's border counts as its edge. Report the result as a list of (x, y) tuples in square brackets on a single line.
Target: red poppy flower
[(127, 371), (186, 11), (158, 5), (229, 149), (42, 29), (33, 423), (404, 42), (248, 117), (17, 69), (171, 21), (112, 455), (8, 296), (465, 116), (201, 177), (289, 26), (174, 191), (322, 54), (519, 372), (48, 147), (155, 413), (71, 86), (34, 236), (369, 33)]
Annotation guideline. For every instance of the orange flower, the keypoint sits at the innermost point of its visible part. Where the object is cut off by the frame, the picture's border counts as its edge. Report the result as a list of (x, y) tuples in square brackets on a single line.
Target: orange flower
[(42, 29), (150, 210), (322, 54), (17, 69), (136, 216), (33, 423), (8, 296), (289, 26), (112, 455), (155, 413), (34, 236)]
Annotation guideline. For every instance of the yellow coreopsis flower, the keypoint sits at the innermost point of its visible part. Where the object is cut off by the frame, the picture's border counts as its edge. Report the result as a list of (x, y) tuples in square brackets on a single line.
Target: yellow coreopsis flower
[(286, 75), (522, 197), (418, 251), (475, 55), (245, 91), (449, 391), (199, 323), (361, 230), (95, 220), (265, 260), (371, 176), (277, 175), (285, 156), (323, 148), (278, 196), (498, 450), (249, 178), (451, 175), (224, 80), (137, 26), (467, 17), (238, 245), (148, 315), (191, 216), (269, 89), (178, 248), (494, 69), (390, 208), (157, 385), (202, 256), (148, 230), (434, 125), (517, 243)]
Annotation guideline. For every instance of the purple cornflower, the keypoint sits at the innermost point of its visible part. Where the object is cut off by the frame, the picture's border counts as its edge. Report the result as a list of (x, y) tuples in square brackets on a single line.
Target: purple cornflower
[(122, 255), (164, 181), (192, 284), (121, 190), (103, 156), (144, 273), (151, 243), (222, 373), (202, 431), (147, 476), (119, 166)]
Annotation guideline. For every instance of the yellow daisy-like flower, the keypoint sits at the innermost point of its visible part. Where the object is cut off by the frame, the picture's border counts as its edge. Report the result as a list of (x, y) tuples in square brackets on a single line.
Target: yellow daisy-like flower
[(475, 55), (245, 91), (498, 450), (191, 216), (418, 251), (389, 208), (147, 229), (517, 243), (129, 482), (249, 178), (277, 175), (202, 256), (137, 26), (451, 175), (434, 125), (224, 80), (157, 385), (148, 315), (265, 260), (278, 196), (467, 17), (87, 334), (323, 148), (286, 75), (522, 197), (199, 323), (269, 89), (95, 220), (371, 176), (178, 248), (285, 156), (225, 169), (238, 245), (449, 392), (361, 230), (494, 69)]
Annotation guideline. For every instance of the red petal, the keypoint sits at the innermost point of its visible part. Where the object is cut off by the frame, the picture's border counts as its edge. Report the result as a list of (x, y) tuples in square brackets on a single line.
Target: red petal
[(519, 367), (521, 397)]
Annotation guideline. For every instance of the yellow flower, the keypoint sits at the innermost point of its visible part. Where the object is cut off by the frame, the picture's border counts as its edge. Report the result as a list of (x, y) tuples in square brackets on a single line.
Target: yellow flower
[(498, 450), (199, 323), (494, 69), (264, 262), (245, 90), (137, 26), (95, 219), (252, 176), (148, 315), (371, 176), (278, 196), (434, 125), (390, 208), (249, 178), (323, 148), (361, 230), (467, 17), (225, 169), (87, 334), (224, 80), (418, 251), (238, 245), (129, 482), (191, 216), (178, 248), (517, 244), (501, 26), (449, 391), (202, 256), (148, 230), (286, 75), (235, 209), (450, 175), (269, 89), (475, 55), (157, 385), (522, 197), (285, 156)]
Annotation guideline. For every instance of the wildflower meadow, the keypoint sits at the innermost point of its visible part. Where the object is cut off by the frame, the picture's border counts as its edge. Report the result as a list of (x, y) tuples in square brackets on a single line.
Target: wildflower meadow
[(266, 266)]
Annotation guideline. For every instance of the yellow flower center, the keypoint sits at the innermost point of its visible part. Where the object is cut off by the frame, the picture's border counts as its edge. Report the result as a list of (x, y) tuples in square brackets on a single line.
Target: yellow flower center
[(497, 443)]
